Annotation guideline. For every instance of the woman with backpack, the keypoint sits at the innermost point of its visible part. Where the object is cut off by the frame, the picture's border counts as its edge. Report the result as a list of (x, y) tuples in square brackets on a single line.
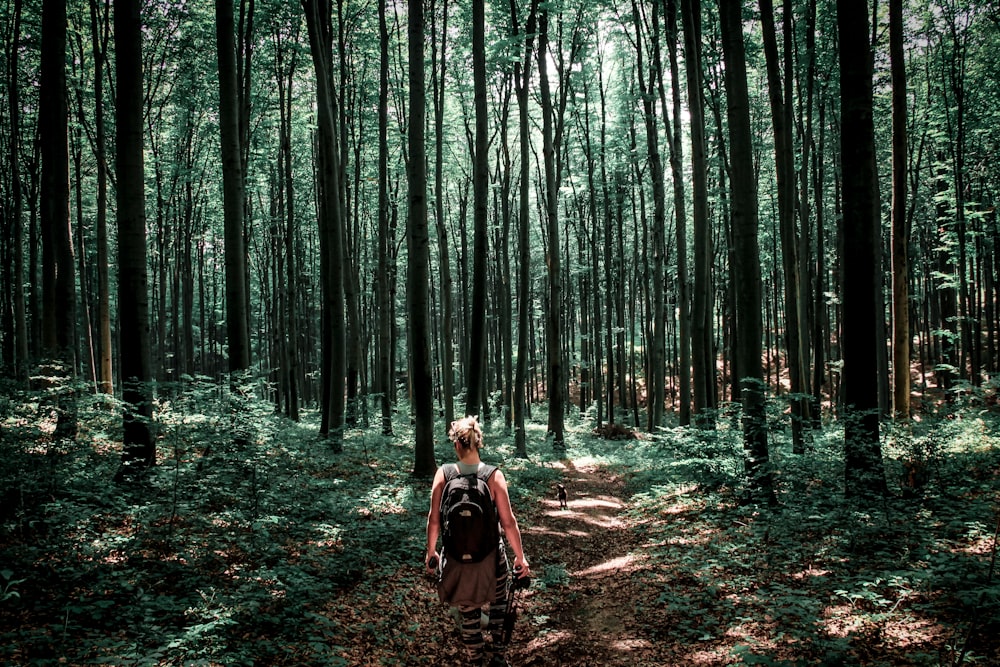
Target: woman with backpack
[(471, 513)]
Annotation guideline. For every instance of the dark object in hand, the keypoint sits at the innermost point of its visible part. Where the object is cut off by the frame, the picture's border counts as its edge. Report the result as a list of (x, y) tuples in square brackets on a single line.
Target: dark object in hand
[(519, 583)]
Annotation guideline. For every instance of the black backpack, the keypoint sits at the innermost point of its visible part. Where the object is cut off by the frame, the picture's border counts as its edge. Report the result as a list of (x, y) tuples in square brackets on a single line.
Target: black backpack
[(470, 530)]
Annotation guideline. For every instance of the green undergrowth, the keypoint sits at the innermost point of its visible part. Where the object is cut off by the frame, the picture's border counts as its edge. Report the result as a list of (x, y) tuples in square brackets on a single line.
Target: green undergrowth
[(241, 553)]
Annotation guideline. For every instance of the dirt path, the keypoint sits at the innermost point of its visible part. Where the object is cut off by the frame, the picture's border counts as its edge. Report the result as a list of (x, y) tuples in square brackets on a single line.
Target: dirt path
[(581, 611)]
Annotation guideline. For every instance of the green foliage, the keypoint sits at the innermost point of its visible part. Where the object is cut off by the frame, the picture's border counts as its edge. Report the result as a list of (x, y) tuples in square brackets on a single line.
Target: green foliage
[(251, 542)]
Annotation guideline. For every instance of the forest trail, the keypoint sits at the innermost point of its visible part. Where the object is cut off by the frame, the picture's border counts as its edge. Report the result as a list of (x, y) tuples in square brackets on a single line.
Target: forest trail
[(582, 608)]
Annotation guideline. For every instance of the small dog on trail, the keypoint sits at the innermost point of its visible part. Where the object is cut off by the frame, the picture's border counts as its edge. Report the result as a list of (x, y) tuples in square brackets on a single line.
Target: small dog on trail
[(562, 496)]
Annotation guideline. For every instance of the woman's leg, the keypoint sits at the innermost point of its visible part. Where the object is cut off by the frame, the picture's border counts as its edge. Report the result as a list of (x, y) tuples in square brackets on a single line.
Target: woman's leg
[(498, 607), (472, 633)]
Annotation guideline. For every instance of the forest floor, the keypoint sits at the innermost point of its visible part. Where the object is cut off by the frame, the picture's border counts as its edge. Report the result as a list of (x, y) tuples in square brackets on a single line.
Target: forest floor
[(281, 552)]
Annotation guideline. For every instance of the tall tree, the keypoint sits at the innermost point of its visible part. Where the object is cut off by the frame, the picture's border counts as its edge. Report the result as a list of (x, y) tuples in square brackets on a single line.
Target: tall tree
[(331, 233), (746, 254), (480, 209), (20, 356), (900, 235), (522, 76), (99, 28), (657, 361), (676, 138), (237, 322), (553, 327), (864, 474), (781, 119), (418, 245), (384, 379), (702, 345), (439, 61), (136, 362), (58, 269)]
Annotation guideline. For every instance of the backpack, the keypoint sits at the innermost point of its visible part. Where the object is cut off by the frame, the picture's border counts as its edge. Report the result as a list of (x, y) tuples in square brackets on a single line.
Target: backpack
[(470, 529)]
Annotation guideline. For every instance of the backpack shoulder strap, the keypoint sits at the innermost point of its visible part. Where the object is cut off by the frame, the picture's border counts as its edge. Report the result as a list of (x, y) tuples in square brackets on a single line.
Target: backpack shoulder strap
[(485, 472), (450, 471)]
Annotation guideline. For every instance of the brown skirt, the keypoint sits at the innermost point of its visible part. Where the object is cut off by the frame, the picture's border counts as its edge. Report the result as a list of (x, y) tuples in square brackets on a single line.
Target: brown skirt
[(469, 584)]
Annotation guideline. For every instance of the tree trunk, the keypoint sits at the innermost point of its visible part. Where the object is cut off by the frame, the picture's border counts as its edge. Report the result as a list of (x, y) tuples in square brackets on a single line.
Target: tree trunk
[(21, 353), (384, 380), (444, 250), (480, 188), (237, 327), (900, 235), (657, 361), (746, 269), (864, 473), (553, 327), (58, 270), (286, 81), (702, 345), (136, 364), (680, 218), (785, 173), (334, 335), (99, 32), (418, 245), (522, 76)]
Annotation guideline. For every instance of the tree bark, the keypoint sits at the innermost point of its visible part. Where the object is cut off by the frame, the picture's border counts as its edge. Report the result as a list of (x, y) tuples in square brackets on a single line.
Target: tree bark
[(480, 189), (746, 270), (334, 335), (237, 328), (785, 174), (21, 350), (58, 269), (702, 346), (133, 284), (680, 221), (384, 378), (418, 245), (657, 361), (522, 76), (900, 235), (553, 327), (864, 474)]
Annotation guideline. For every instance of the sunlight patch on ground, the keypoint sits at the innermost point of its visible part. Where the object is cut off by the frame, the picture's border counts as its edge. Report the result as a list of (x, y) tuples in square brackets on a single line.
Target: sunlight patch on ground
[(620, 565), (601, 521), (540, 530), (629, 645), (708, 657), (549, 639), (810, 572)]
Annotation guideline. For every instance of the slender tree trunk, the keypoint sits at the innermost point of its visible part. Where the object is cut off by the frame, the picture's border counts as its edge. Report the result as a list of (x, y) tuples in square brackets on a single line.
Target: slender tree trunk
[(900, 235), (657, 362), (21, 351), (785, 173), (58, 270), (680, 219), (444, 249), (481, 182), (746, 270), (133, 283), (334, 335), (864, 473), (522, 76), (555, 378), (99, 32), (384, 376), (237, 322), (418, 244), (702, 345)]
